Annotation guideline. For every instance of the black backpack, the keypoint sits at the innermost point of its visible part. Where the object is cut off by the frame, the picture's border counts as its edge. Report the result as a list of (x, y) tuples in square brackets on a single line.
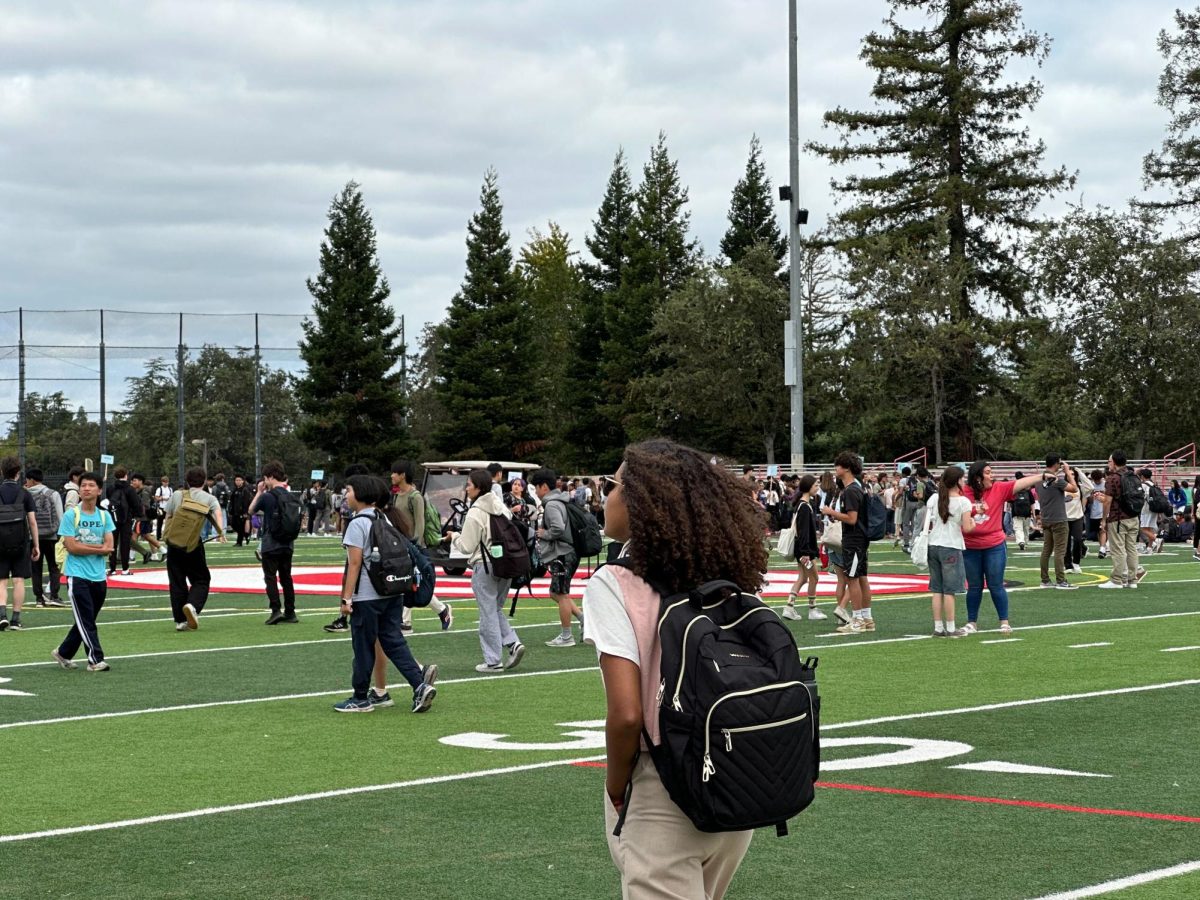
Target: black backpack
[(876, 518), (388, 562), (1022, 504), (505, 554), (738, 712), (285, 520), (1132, 497), (586, 536), (1158, 502), (14, 526), (426, 578)]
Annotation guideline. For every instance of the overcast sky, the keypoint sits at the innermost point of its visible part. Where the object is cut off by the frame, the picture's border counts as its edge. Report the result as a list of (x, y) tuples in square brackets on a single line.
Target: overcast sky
[(182, 155)]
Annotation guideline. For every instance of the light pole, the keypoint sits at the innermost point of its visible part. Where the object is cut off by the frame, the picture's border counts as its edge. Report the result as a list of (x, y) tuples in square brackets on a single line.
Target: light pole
[(202, 443), (793, 343)]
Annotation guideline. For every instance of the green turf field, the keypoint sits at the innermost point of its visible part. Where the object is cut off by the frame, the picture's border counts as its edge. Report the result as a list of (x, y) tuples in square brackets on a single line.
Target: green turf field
[(210, 764)]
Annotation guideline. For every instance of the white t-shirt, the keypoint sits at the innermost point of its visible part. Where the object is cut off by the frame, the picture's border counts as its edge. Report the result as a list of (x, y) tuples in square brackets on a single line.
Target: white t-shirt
[(607, 626), (947, 534)]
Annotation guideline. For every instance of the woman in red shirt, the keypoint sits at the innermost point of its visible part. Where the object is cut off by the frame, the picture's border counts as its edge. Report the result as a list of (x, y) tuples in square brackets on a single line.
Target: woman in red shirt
[(986, 551)]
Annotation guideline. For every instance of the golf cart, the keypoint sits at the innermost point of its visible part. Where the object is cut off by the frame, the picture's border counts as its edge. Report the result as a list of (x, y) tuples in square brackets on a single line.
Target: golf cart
[(444, 485)]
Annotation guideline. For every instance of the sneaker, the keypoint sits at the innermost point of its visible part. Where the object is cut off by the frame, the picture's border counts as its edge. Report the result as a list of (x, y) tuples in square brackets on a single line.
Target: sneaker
[(1196, 555), (1066, 586), (1021, 546), (423, 698), (840, 613), (189, 613), (485, 669), (867, 624), (145, 559), (181, 626), (16, 626), (275, 618), (1103, 554), (290, 619), (125, 573), (966, 631), (406, 629), (1047, 584), (429, 673), (1077, 569), (55, 603), (101, 666), (350, 704), (3, 624), (937, 634), (563, 640), (1110, 586), (1131, 586), (336, 626), (854, 626), (1157, 545), (62, 660), (39, 602), (815, 614), (377, 699), (1141, 573), (447, 617), (789, 612), (515, 654)]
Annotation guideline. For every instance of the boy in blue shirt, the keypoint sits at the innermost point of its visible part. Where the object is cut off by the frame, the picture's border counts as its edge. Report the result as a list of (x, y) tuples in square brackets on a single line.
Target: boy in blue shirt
[(87, 535)]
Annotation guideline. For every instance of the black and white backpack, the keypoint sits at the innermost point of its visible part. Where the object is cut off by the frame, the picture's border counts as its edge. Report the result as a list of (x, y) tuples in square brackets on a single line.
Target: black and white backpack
[(738, 711)]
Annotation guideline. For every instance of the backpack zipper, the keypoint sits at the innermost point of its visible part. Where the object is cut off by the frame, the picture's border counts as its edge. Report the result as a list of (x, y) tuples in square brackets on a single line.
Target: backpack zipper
[(708, 769), (729, 732), (683, 661)]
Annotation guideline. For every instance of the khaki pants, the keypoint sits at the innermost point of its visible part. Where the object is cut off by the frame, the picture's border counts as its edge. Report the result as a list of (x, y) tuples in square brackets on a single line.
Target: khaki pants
[(1054, 543), (660, 854), (1122, 547), (1021, 529)]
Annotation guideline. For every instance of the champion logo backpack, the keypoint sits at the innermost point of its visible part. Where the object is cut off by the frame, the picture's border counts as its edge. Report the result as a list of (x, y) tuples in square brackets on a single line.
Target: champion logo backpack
[(388, 562), (738, 712)]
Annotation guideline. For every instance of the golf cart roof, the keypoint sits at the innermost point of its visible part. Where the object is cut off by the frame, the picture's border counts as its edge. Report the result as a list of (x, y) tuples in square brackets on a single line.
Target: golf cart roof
[(478, 464)]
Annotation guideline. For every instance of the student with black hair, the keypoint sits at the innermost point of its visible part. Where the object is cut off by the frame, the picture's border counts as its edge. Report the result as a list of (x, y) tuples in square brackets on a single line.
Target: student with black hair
[(806, 552), (406, 498), (852, 511), (49, 513), (274, 551), (372, 617), (556, 550), (16, 551), (87, 534), (187, 569)]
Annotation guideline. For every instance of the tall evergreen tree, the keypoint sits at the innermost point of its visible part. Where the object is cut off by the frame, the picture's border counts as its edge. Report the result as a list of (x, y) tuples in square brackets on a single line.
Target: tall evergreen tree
[(483, 365), (661, 257), (1176, 166), (752, 218), (588, 435), (351, 392), (961, 177)]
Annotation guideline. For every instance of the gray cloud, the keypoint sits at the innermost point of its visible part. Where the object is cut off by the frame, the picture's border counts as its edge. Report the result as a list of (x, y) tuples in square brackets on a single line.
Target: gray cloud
[(178, 155)]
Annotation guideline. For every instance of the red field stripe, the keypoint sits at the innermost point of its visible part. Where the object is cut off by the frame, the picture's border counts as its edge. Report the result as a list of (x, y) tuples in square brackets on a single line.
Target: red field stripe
[(970, 798), (1002, 801)]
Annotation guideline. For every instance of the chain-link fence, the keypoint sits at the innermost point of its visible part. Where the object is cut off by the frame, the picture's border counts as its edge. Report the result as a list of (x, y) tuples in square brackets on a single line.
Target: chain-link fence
[(161, 390)]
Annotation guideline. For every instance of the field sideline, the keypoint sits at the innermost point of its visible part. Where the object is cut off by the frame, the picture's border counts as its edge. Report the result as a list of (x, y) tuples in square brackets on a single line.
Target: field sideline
[(1058, 761)]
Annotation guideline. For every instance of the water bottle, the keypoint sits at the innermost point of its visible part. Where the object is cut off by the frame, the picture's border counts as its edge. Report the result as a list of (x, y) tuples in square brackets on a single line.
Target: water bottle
[(373, 556)]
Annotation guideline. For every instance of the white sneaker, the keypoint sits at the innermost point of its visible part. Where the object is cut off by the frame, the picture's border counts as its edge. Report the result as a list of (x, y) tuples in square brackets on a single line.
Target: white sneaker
[(1110, 586), (485, 669), (515, 653), (854, 626), (789, 612), (1158, 545), (840, 613), (563, 640), (181, 626), (189, 613), (1077, 569), (815, 614)]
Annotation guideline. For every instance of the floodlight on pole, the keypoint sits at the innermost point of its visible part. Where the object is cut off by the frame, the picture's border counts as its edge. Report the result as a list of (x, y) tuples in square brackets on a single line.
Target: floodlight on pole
[(793, 343)]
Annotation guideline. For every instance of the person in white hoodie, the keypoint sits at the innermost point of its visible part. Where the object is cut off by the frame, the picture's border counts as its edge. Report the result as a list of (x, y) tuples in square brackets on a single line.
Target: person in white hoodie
[(495, 632)]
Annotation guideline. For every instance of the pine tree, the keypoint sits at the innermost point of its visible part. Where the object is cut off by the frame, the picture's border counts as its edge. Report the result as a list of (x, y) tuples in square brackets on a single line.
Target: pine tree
[(587, 434), (1177, 165), (960, 177), (752, 219), (351, 393), (660, 258), (484, 367)]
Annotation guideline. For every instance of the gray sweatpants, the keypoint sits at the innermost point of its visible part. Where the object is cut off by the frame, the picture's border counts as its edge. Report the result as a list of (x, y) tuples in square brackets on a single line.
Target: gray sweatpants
[(495, 633)]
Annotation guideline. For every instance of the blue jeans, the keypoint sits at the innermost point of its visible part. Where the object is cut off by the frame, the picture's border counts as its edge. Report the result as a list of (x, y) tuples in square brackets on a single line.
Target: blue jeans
[(986, 567), (379, 619)]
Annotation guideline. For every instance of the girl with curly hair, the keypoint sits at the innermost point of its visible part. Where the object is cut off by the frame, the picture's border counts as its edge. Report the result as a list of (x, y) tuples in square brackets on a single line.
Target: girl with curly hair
[(685, 522)]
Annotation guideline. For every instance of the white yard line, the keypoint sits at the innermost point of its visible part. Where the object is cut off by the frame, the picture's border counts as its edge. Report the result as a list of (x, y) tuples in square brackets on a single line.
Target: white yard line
[(1119, 884), (1178, 649), (297, 798), (279, 698), (1011, 704), (1085, 646), (1003, 641)]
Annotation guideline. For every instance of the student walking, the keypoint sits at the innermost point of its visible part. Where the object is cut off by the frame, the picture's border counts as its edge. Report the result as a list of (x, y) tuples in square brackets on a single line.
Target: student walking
[(806, 552), (556, 550), (372, 617), (1123, 501), (281, 525), (18, 527), (852, 511), (48, 513), (408, 499), (495, 633), (87, 535), (1021, 506), (126, 508), (660, 853), (947, 518), (144, 526), (187, 567)]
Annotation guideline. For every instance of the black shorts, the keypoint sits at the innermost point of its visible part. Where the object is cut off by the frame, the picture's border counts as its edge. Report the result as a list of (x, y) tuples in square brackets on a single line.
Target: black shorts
[(19, 566), (562, 570), (854, 561)]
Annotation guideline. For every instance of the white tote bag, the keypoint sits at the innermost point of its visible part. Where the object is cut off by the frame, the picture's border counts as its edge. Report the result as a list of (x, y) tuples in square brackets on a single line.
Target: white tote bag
[(787, 539), (920, 548)]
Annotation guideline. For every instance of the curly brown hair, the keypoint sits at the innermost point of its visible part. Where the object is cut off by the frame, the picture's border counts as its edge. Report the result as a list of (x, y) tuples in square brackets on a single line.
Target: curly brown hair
[(690, 521)]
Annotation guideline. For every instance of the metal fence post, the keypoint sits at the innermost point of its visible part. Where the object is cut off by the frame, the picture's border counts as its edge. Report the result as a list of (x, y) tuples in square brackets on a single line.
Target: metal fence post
[(179, 355), (257, 403), (21, 386), (103, 411)]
